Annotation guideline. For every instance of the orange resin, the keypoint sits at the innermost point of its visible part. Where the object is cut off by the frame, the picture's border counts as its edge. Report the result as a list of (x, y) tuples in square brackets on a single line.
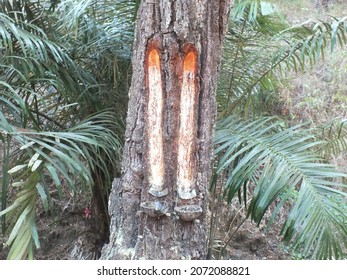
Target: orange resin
[(187, 129)]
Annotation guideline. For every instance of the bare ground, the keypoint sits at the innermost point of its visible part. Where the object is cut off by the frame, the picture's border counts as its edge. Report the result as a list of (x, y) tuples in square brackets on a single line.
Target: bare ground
[(63, 235)]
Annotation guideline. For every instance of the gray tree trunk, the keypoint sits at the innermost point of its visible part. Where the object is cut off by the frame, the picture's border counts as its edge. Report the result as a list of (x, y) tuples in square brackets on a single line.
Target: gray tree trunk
[(158, 207)]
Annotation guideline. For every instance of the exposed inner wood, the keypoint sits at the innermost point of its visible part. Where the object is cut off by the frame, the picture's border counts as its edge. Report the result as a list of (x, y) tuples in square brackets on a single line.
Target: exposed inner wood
[(187, 129), (171, 27), (155, 125)]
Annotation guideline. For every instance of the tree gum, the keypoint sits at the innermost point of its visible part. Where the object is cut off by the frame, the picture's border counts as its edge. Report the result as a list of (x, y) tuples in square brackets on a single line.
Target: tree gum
[(155, 123), (187, 129)]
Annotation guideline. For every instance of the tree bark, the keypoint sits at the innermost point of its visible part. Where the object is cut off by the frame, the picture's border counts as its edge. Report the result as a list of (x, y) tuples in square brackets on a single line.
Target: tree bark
[(159, 207)]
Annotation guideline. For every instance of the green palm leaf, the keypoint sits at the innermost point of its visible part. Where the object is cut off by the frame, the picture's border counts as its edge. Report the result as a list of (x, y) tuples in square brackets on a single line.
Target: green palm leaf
[(260, 45), (275, 162), (48, 90), (334, 134), (72, 154)]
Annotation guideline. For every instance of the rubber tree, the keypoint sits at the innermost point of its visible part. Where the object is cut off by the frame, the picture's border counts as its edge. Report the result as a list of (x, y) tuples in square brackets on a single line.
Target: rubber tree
[(159, 206)]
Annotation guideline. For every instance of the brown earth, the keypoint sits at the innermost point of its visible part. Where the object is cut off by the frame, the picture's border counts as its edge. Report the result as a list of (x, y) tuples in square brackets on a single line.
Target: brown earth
[(63, 235)]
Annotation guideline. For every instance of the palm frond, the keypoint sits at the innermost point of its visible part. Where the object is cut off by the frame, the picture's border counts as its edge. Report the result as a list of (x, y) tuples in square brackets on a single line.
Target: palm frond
[(252, 10), (70, 155), (101, 25), (334, 134), (276, 162), (34, 66), (24, 11), (100, 38), (21, 215), (265, 45)]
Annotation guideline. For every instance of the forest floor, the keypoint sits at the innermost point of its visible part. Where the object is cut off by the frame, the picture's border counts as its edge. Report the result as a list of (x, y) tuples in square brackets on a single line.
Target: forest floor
[(59, 234), (61, 231)]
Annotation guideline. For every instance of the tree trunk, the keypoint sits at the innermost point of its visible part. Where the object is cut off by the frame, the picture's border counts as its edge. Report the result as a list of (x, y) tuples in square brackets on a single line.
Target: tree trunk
[(158, 207)]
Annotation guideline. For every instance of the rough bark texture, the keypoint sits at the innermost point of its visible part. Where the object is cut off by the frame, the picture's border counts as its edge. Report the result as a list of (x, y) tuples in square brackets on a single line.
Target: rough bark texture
[(174, 28)]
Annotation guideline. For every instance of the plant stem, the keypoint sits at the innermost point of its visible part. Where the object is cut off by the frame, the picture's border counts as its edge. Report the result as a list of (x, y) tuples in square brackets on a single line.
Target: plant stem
[(5, 180)]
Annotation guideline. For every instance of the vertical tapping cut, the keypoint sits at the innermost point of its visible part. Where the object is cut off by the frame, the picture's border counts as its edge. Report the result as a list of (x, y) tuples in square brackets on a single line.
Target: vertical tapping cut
[(187, 129), (155, 125)]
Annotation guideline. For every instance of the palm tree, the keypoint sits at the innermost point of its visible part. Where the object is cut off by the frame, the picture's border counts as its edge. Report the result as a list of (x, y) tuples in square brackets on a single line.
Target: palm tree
[(260, 155), (278, 164), (55, 115)]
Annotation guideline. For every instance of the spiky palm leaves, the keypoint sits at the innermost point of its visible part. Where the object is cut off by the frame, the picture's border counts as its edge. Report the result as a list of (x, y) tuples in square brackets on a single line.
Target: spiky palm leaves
[(334, 134), (261, 46), (45, 98), (44, 157), (99, 36), (274, 163), (260, 156)]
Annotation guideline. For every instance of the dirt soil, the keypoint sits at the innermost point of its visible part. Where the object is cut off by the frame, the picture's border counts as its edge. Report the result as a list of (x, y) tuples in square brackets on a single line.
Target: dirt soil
[(59, 234), (67, 234), (243, 240), (57, 231)]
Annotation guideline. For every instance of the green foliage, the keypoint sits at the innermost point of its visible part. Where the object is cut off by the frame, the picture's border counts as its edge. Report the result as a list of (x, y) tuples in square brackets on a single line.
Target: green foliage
[(45, 157), (99, 36), (261, 157), (272, 162), (261, 46), (56, 122), (334, 133)]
